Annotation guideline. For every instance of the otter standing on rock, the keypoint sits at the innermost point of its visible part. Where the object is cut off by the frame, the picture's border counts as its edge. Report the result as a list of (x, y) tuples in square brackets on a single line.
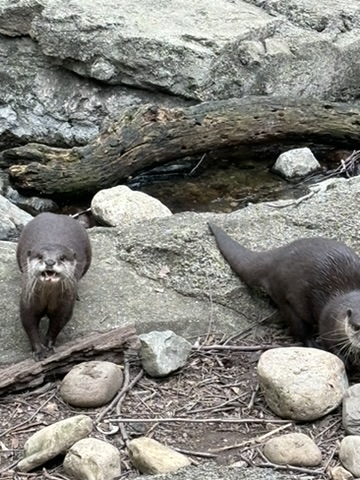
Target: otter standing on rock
[(53, 253), (315, 282)]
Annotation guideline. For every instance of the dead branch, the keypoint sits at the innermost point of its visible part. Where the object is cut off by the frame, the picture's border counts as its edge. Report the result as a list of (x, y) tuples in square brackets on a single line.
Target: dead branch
[(151, 135), (99, 346)]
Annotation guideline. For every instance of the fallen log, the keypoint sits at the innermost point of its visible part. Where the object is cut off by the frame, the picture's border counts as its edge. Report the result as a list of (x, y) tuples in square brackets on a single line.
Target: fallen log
[(150, 135), (100, 346)]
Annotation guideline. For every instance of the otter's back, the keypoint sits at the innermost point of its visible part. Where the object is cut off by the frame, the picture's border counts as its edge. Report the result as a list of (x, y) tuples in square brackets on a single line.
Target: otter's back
[(304, 273)]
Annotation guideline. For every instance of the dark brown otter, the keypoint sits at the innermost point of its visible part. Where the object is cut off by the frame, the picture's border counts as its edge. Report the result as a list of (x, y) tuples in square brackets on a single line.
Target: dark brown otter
[(315, 282), (53, 253)]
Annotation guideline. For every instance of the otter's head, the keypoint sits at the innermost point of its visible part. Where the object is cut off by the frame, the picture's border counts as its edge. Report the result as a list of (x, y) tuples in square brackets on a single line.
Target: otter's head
[(339, 326), (352, 327), (51, 264)]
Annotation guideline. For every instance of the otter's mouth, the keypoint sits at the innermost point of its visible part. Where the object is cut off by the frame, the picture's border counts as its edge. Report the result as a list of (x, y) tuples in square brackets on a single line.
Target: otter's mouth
[(50, 276)]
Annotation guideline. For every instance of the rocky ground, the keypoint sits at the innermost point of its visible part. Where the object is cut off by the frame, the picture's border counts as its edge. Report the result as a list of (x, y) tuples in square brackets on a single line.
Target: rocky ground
[(217, 384)]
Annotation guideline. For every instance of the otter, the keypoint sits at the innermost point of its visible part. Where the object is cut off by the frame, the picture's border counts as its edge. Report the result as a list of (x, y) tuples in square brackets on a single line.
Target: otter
[(315, 283), (53, 253)]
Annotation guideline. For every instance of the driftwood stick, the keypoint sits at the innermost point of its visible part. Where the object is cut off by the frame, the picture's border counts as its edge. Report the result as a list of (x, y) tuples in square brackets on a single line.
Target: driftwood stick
[(104, 346), (150, 135)]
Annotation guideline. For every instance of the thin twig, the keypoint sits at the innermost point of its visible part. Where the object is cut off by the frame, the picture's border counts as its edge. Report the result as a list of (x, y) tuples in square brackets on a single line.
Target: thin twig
[(197, 165), (25, 422), (118, 396), (240, 334), (289, 468), (331, 456), (211, 312), (251, 441), (215, 407), (53, 477), (292, 203), (268, 464), (75, 215), (252, 399), (196, 420), (123, 431), (236, 348), (195, 454)]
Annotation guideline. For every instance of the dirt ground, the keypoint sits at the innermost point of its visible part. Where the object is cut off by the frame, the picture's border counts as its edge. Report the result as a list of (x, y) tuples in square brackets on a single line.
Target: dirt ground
[(211, 396)]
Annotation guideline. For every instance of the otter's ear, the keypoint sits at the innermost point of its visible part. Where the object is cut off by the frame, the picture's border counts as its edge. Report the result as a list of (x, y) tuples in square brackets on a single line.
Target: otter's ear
[(349, 313), (74, 253), (28, 253)]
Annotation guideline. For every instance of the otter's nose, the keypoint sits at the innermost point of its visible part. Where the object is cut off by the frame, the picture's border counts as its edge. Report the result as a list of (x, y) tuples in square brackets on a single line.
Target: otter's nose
[(49, 262)]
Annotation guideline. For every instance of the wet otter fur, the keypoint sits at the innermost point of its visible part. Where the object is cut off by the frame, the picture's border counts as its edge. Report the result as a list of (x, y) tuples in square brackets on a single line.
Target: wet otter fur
[(53, 253), (315, 283)]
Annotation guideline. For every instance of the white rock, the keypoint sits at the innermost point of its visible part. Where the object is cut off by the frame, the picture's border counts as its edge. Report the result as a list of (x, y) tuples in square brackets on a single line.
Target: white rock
[(12, 219), (118, 205), (91, 384), (50, 441), (164, 352), (340, 473), (301, 383), (296, 163), (351, 410), (350, 454), (92, 459), (150, 456), (293, 449)]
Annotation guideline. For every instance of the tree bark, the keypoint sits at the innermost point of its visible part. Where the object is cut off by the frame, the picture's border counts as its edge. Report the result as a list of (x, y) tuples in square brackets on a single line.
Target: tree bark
[(100, 346), (150, 135)]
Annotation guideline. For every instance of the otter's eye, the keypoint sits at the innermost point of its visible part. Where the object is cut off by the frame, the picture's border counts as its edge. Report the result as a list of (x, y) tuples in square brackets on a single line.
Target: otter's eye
[(62, 258), (356, 328), (39, 256)]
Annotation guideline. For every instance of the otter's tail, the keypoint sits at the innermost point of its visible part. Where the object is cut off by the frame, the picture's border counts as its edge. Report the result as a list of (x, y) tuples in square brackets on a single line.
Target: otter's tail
[(242, 260)]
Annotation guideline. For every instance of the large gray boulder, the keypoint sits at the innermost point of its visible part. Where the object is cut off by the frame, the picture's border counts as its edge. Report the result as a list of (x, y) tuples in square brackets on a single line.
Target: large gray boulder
[(68, 67)]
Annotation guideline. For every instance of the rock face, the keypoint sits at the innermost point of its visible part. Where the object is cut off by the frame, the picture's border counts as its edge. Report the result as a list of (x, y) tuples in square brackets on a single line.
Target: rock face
[(293, 449), (120, 205), (91, 384), (301, 391), (50, 441), (213, 50), (59, 107), (162, 353)]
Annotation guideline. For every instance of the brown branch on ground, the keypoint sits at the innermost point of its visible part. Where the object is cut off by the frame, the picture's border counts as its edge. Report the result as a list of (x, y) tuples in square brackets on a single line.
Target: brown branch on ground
[(197, 420), (120, 396), (99, 346), (348, 167), (287, 468)]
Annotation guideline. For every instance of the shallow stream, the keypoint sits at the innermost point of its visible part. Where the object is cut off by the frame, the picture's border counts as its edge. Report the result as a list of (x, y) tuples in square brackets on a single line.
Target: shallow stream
[(217, 183)]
